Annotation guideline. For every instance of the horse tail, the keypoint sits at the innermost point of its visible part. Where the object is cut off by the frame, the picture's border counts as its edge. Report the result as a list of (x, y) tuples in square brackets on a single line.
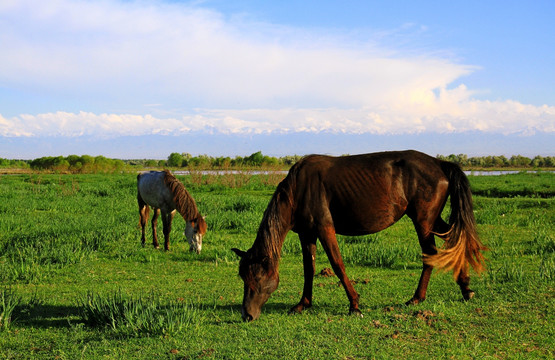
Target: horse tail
[(462, 245), (139, 198)]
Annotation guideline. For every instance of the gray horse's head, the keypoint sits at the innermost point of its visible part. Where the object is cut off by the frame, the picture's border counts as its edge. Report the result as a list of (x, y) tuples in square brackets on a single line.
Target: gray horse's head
[(194, 231)]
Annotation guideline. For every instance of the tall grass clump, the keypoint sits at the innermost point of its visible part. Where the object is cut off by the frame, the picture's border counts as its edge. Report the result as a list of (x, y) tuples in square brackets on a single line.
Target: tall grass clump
[(232, 212), (543, 243), (547, 268), (139, 316), (509, 272), (226, 180), (23, 269), (8, 302)]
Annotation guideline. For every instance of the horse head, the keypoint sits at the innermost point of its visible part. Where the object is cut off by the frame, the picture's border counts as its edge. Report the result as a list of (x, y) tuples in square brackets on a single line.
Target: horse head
[(260, 281), (194, 231)]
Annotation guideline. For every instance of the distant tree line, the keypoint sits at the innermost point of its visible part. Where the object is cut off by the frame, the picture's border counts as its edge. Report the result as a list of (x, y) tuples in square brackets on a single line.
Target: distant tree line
[(19, 164), (101, 164), (259, 160), (256, 159), (80, 164), (515, 161)]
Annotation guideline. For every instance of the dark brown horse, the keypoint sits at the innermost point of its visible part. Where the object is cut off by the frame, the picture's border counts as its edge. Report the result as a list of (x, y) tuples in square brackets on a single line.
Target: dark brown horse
[(162, 191), (354, 195)]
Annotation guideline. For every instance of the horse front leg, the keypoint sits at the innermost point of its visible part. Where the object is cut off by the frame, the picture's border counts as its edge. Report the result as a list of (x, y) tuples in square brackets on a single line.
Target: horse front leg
[(331, 247), (154, 222), (308, 244), (167, 222)]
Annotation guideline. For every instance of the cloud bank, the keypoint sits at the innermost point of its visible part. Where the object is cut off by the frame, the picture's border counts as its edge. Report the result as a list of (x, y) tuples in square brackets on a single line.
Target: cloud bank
[(147, 67), (508, 118)]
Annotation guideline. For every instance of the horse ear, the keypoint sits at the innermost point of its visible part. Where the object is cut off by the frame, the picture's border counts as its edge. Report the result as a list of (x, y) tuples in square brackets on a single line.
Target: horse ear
[(240, 253)]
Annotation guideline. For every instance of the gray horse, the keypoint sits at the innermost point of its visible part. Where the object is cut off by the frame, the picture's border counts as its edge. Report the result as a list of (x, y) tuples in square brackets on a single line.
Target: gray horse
[(166, 194)]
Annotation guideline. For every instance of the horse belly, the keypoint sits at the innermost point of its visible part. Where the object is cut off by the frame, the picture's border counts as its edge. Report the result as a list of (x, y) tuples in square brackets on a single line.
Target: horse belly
[(369, 224), (366, 215), (153, 200)]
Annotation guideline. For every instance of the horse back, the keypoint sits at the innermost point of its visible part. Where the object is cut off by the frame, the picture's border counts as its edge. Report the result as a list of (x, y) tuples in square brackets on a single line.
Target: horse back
[(152, 189), (365, 193)]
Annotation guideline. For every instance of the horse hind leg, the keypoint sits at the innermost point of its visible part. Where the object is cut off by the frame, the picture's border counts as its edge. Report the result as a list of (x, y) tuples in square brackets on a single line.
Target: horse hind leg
[(144, 210), (154, 222), (463, 280), (428, 246)]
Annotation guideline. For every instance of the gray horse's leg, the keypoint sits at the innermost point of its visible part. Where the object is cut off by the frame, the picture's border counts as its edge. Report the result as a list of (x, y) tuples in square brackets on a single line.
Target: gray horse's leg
[(167, 222), (154, 223), (144, 210)]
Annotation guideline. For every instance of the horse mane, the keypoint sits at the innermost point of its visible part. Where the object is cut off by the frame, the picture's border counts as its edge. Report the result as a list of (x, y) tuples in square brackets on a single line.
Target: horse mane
[(184, 202), (275, 223)]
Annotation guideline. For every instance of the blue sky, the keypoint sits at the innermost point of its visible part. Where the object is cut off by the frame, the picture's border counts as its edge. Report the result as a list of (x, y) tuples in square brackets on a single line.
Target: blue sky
[(142, 79)]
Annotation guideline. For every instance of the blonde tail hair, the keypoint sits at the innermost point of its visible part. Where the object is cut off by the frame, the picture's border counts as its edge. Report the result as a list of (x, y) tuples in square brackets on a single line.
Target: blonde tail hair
[(462, 246)]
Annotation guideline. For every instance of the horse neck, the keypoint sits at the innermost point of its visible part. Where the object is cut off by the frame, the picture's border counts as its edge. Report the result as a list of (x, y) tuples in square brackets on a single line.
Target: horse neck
[(189, 211), (184, 202), (275, 225)]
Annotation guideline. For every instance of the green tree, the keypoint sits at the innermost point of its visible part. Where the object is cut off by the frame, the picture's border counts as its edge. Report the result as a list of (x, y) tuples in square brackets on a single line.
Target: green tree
[(519, 161), (270, 161), (255, 159), (200, 161), (175, 160)]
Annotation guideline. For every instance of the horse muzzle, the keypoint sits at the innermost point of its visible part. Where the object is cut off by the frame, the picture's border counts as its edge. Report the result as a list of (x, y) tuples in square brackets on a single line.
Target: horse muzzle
[(248, 317)]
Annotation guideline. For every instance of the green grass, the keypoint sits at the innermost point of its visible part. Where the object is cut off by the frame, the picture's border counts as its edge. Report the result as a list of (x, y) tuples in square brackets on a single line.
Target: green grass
[(136, 316), (513, 185), (76, 284), (8, 302)]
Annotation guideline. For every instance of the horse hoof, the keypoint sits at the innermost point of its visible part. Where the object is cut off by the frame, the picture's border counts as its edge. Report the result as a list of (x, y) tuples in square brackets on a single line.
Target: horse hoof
[(468, 295), (356, 313), (414, 301)]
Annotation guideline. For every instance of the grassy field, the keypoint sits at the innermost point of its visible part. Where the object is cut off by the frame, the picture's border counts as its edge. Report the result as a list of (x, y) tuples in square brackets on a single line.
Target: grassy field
[(76, 284)]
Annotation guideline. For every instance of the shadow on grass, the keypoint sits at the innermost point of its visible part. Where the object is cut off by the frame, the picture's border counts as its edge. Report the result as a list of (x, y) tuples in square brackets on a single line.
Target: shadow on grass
[(280, 308), (47, 316), (63, 316), (235, 311)]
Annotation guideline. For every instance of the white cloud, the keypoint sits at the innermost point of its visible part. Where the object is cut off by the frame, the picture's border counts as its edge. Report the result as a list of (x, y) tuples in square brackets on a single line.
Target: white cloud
[(155, 49), (508, 117), (197, 70)]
